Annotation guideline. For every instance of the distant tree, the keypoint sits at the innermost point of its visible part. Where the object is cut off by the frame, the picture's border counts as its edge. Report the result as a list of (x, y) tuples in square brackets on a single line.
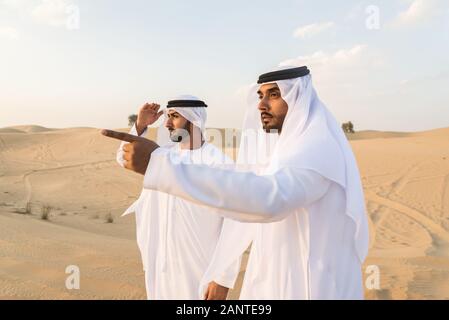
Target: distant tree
[(132, 119), (348, 127)]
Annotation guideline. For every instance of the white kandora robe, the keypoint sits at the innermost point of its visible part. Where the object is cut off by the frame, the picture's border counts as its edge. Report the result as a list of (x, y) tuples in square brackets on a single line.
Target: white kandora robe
[(300, 203), (177, 238)]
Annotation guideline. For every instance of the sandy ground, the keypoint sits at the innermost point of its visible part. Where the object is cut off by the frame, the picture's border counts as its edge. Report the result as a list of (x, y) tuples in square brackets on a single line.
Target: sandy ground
[(73, 171)]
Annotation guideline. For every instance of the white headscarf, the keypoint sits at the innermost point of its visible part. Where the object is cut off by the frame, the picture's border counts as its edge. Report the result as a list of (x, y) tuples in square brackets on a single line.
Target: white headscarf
[(310, 139), (197, 116)]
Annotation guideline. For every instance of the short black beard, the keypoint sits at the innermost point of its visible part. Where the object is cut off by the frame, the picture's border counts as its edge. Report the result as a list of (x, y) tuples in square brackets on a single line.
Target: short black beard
[(274, 129), (178, 135), (271, 129)]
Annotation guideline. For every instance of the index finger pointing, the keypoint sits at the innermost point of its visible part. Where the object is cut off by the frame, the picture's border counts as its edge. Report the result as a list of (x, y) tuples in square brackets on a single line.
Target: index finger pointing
[(119, 135)]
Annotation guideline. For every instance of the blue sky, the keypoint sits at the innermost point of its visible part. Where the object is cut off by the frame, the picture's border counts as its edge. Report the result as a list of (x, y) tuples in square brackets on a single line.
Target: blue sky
[(382, 64)]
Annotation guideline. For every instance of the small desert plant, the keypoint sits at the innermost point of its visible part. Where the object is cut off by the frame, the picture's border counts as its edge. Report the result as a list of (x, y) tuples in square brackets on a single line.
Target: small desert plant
[(132, 119), (46, 210), (348, 127), (109, 218)]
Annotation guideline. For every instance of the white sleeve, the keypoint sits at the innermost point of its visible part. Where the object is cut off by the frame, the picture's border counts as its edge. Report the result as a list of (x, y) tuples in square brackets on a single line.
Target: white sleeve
[(228, 277), (242, 196), (133, 131), (224, 266)]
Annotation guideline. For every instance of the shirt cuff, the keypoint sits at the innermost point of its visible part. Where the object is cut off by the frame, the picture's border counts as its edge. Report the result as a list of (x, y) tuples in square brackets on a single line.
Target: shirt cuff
[(226, 281), (133, 131)]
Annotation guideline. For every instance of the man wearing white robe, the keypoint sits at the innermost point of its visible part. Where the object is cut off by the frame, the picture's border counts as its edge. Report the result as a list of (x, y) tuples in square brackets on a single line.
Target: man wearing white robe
[(177, 238), (303, 195)]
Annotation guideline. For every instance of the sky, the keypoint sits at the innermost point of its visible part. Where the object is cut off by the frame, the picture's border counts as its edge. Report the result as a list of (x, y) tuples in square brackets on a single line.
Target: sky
[(384, 65)]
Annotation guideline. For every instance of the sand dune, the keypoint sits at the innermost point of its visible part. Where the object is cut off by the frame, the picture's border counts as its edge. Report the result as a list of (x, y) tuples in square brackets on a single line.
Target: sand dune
[(10, 130), (405, 176), (372, 134), (30, 128), (406, 182)]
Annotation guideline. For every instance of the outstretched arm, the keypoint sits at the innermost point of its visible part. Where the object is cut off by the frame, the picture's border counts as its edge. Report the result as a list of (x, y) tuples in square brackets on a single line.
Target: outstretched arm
[(242, 196)]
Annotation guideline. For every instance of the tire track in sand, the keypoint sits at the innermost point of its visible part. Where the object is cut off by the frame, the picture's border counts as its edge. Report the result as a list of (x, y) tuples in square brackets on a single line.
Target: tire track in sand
[(397, 185), (431, 226), (26, 176)]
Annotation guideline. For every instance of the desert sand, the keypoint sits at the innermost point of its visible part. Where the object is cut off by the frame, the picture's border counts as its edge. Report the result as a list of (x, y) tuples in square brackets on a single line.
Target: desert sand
[(73, 173)]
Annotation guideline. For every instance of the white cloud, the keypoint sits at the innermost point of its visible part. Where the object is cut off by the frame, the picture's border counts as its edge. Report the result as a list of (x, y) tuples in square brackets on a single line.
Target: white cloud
[(55, 13), (343, 72), (324, 63), (312, 29), (14, 4), (347, 78), (9, 33), (51, 12), (419, 11)]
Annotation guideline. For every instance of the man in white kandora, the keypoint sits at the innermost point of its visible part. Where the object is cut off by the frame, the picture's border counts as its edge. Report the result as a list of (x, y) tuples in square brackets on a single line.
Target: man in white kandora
[(177, 238), (296, 180)]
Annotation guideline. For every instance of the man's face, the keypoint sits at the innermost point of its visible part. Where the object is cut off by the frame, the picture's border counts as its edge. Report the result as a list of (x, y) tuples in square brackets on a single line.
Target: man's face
[(272, 107), (177, 125)]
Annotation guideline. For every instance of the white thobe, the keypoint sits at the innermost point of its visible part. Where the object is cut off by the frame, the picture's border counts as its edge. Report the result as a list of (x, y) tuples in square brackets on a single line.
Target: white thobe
[(177, 238), (302, 242)]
